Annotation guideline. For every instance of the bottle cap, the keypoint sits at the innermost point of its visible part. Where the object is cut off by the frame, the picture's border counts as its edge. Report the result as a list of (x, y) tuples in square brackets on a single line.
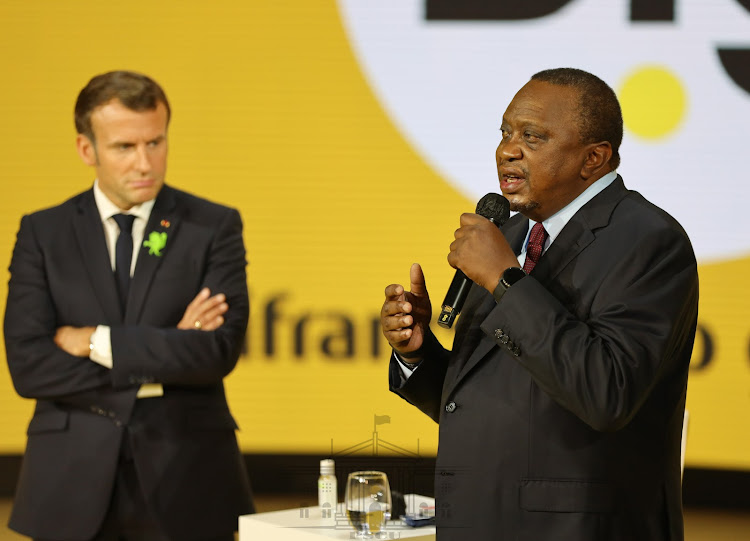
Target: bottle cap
[(327, 467)]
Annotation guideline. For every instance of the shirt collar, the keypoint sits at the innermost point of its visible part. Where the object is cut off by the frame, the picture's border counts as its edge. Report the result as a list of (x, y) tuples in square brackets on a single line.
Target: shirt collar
[(107, 208), (555, 223)]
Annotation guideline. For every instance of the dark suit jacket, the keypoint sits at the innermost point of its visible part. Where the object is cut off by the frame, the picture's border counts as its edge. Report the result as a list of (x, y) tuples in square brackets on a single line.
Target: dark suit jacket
[(183, 443), (561, 406)]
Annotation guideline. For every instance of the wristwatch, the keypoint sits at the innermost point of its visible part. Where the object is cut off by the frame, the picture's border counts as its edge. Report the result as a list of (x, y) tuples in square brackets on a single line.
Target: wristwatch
[(510, 276)]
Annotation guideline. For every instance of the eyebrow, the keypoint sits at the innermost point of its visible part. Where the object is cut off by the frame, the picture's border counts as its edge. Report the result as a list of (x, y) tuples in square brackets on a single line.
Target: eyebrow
[(524, 123), (158, 138)]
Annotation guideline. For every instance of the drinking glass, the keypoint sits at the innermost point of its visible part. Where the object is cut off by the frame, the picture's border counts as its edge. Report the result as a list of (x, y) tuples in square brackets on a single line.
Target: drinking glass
[(368, 502)]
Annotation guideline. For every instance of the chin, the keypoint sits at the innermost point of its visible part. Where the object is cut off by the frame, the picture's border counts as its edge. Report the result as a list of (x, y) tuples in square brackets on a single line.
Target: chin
[(146, 195), (519, 205)]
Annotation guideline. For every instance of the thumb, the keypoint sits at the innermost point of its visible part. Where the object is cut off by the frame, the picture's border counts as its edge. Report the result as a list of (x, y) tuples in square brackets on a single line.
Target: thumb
[(416, 277)]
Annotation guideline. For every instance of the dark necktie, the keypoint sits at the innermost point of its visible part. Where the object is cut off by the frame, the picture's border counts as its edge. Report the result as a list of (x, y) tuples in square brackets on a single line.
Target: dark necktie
[(123, 255), (537, 237)]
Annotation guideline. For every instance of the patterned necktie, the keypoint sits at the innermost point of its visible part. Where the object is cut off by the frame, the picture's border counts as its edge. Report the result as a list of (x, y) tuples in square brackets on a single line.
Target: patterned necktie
[(536, 245), (123, 255)]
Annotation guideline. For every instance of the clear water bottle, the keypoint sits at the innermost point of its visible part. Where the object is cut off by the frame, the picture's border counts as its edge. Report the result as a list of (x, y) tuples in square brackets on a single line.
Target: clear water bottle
[(327, 490)]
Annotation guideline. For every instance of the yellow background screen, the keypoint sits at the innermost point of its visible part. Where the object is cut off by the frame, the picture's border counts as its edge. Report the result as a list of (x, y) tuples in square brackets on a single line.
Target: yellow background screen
[(272, 115)]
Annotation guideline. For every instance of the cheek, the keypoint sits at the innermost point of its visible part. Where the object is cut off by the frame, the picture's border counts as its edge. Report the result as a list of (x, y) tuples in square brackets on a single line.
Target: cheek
[(115, 162), (542, 176), (549, 169), (159, 161), (109, 170)]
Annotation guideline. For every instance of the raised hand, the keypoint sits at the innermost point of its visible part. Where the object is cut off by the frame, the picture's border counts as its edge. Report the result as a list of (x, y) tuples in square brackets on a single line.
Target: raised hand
[(405, 316)]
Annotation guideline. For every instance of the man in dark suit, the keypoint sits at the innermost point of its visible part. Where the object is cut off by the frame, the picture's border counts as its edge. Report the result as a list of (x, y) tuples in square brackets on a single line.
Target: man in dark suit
[(127, 306), (561, 403)]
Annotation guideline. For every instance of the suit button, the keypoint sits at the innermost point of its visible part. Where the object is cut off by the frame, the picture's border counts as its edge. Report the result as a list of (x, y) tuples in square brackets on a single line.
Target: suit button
[(450, 407)]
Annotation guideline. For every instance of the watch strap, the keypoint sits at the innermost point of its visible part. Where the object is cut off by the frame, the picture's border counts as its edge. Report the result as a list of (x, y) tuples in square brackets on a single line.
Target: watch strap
[(510, 276)]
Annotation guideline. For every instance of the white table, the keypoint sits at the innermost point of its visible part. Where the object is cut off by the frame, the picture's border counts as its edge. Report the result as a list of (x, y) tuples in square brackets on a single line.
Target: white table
[(306, 524)]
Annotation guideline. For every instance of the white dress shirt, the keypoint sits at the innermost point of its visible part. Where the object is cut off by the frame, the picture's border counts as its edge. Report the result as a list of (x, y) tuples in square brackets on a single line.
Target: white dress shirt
[(101, 351)]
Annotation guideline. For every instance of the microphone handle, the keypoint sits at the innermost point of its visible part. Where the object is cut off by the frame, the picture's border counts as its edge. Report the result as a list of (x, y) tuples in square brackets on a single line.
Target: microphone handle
[(454, 299)]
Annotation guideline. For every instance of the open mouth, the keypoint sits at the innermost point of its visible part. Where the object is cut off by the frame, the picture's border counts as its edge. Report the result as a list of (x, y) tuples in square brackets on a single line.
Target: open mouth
[(510, 182)]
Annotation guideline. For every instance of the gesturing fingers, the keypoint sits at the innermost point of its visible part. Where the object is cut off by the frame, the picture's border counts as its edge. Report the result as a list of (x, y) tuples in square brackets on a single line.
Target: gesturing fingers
[(393, 292), (391, 308), (394, 318), (397, 322), (418, 286), (397, 329)]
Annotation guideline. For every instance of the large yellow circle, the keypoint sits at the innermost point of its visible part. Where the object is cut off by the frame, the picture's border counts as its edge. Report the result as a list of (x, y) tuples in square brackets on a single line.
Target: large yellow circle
[(654, 102)]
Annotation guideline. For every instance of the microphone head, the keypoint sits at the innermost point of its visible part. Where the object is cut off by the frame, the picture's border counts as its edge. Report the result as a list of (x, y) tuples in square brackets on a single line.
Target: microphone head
[(495, 207)]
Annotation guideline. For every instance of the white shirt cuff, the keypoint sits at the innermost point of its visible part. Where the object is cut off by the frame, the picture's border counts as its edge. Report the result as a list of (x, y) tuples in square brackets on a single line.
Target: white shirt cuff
[(406, 372), (101, 353)]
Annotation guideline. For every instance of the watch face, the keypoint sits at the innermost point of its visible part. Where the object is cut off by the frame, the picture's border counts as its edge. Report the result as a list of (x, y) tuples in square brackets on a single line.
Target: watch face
[(513, 275)]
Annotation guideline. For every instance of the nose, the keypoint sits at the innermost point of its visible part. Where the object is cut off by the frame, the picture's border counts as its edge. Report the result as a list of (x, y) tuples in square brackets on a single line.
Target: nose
[(142, 161), (508, 150)]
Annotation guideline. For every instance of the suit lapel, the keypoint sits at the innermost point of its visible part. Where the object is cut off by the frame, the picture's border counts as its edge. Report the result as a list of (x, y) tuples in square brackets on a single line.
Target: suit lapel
[(164, 218), (579, 231), (90, 237), (575, 236)]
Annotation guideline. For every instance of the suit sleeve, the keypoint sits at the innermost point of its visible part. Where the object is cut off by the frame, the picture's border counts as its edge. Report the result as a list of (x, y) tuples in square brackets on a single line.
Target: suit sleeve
[(38, 368), (637, 326), (424, 387), (148, 354)]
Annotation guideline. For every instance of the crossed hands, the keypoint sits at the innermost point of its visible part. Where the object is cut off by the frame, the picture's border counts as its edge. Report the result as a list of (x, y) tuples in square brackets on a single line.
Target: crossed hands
[(205, 312)]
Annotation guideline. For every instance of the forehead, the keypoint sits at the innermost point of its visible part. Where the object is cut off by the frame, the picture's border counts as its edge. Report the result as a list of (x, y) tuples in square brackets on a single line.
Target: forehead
[(543, 104), (113, 120)]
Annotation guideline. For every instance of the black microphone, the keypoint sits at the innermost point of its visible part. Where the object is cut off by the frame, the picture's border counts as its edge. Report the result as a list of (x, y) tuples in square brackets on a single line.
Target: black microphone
[(496, 209)]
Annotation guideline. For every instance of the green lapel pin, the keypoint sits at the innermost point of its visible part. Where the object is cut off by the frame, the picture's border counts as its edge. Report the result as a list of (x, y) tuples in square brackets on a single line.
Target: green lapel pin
[(155, 243)]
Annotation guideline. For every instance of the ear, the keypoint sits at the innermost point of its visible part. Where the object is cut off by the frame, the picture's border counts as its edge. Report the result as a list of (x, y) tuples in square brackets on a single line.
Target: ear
[(597, 159), (86, 150)]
